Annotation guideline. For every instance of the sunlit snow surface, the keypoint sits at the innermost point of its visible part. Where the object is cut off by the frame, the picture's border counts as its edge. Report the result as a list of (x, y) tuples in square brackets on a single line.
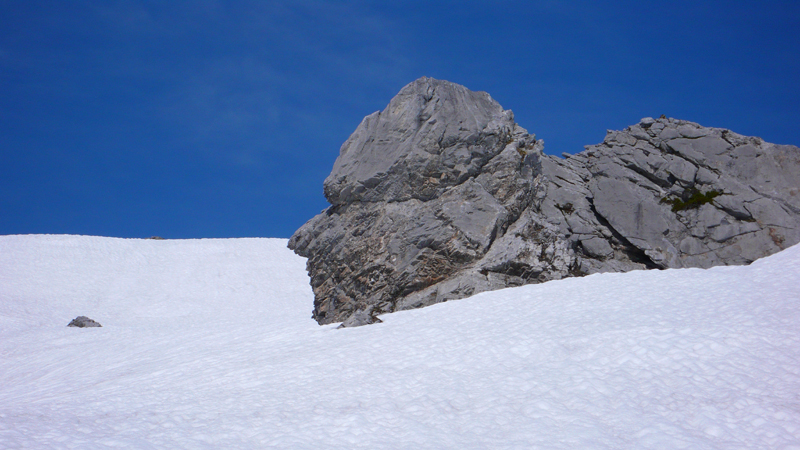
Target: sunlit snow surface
[(210, 344)]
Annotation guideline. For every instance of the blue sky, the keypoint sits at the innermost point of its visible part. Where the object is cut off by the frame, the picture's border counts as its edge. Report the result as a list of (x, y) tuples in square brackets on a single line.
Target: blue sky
[(190, 119)]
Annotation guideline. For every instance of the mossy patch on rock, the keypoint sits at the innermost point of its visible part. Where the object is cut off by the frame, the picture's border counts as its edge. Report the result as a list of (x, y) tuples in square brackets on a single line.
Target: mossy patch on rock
[(691, 198)]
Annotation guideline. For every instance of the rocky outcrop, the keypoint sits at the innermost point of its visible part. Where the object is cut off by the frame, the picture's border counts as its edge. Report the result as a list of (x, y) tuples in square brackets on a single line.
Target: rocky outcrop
[(442, 195), (669, 193)]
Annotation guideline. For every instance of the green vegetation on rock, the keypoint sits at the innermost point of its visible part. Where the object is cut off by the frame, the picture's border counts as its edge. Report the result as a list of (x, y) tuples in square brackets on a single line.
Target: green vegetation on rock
[(690, 199)]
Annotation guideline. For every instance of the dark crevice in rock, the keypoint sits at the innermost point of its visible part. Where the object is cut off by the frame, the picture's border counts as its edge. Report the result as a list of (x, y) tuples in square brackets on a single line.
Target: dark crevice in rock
[(788, 207), (634, 253), (524, 272), (726, 137), (670, 151), (728, 238), (738, 215), (565, 180), (666, 184)]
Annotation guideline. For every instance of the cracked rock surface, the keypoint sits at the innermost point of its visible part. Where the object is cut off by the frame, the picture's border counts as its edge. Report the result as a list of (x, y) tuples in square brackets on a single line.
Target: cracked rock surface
[(442, 195)]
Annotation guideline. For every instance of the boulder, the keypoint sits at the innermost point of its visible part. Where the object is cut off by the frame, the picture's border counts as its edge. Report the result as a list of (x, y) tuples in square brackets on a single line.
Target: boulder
[(83, 322), (442, 195)]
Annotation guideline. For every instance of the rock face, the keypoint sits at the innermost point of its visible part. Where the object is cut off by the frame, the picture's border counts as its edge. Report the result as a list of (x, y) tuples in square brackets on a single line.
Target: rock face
[(442, 195), (83, 322)]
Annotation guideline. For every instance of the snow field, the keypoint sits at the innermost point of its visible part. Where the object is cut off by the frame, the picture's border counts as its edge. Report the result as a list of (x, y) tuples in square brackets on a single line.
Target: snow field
[(209, 344)]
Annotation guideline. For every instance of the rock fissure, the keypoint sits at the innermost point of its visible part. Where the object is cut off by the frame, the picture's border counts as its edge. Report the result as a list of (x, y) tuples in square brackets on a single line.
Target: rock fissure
[(788, 207), (666, 184), (634, 253), (695, 162)]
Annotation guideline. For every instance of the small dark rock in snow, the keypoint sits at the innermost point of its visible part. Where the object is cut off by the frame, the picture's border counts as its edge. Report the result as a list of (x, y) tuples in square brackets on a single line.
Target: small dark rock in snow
[(83, 322)]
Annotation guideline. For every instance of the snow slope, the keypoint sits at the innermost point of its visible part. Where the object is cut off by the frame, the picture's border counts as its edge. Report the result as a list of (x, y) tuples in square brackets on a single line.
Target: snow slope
[(210, 344)]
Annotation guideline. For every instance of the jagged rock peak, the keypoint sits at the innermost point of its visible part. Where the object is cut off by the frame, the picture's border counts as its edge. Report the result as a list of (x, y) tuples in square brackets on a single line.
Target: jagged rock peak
[(441, 196), (434, 134)]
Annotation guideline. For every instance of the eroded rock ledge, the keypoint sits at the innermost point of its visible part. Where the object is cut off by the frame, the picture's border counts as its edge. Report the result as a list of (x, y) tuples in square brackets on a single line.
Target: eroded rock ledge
[(442, 195)]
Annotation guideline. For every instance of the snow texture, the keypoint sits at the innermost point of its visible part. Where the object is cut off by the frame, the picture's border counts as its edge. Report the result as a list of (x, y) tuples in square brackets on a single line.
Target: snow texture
[(210, 344)]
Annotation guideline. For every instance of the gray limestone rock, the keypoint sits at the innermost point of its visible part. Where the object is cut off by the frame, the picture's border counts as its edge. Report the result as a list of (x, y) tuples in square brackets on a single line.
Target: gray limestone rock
[(705, 204), (419, 194), (83, 322), (441, 196), (433, 135), (360, 318)]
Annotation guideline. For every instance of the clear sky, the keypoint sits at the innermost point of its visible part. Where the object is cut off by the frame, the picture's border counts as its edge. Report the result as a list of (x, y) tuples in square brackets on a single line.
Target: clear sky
[(189, 119)]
